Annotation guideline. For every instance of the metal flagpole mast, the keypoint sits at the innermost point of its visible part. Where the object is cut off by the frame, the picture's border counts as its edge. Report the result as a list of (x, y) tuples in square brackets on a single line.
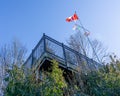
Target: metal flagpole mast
[(89, 41)]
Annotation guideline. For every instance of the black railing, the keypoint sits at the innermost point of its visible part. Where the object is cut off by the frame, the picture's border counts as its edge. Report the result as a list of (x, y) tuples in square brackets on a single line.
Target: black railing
[(56, 50)]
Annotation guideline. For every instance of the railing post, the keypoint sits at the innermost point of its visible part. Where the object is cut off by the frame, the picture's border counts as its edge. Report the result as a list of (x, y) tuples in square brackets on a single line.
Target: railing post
[(44, 42), (64, 53)]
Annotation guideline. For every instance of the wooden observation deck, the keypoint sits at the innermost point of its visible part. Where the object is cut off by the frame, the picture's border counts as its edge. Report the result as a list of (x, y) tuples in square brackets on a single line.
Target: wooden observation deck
[(69, 59)]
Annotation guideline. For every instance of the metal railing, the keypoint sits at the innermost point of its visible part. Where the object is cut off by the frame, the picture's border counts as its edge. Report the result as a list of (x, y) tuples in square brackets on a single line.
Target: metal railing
[(56, 50)]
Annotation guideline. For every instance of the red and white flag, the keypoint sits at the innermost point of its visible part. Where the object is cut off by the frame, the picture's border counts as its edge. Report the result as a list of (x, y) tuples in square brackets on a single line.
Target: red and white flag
[(69, 19), (72, 18)]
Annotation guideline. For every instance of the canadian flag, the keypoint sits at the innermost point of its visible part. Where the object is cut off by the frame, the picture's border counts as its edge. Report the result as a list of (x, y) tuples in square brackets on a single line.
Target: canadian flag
[(72, 18)]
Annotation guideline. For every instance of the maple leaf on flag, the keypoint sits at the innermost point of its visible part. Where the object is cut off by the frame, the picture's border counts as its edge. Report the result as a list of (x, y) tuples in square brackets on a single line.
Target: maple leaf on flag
[(75, 17), (69, 19)]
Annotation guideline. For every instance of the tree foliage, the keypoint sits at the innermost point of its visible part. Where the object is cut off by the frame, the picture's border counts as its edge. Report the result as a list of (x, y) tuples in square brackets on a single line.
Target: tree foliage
[(10, 55), (80, 43), (21, 85), (103, 82), (55, 83)]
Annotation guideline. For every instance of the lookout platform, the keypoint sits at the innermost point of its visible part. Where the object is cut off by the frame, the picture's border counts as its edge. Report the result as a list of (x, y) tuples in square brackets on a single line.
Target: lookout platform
[(48, 49)]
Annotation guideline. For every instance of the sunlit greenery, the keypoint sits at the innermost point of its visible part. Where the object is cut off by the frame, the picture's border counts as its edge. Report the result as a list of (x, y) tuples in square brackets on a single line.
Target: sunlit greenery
[(21, 85), (103, 82)]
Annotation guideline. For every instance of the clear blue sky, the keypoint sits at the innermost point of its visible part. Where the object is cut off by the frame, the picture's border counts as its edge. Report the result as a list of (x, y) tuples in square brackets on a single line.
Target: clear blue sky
[(27, 20)]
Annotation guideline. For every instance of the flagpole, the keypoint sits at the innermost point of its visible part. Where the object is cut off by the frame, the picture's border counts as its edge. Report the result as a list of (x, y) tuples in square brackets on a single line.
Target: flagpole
[(89, 41), (74, 18)]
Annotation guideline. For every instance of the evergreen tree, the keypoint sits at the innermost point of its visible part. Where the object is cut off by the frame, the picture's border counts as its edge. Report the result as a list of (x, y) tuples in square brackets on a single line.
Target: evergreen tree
[(21, 85), (55, 82)]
